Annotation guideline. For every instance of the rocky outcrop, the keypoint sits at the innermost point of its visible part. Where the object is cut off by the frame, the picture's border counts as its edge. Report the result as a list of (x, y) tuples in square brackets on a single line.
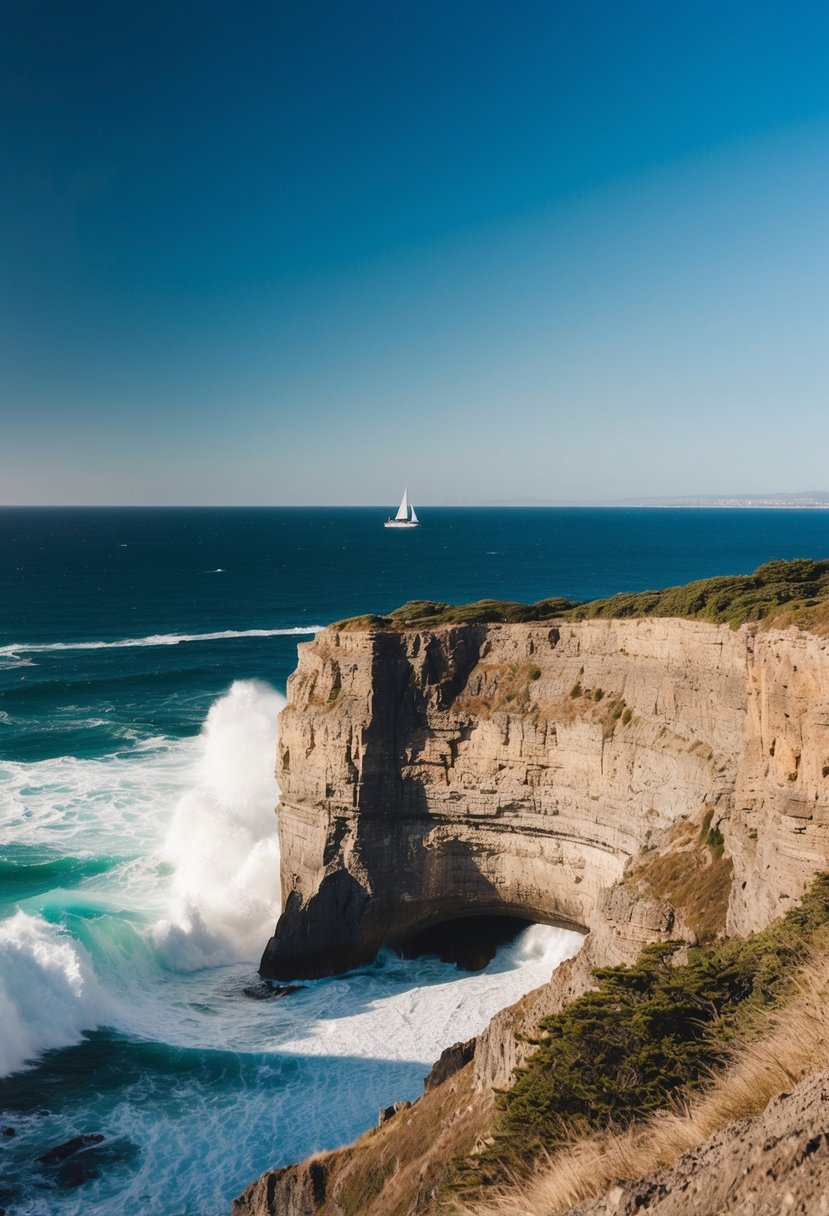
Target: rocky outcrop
[(776, 1162), (516, 769), (554, 772), (297, 1190)]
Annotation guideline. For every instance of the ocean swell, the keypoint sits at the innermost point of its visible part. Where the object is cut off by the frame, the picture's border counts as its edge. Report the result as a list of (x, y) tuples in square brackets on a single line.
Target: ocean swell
[(49, 994)]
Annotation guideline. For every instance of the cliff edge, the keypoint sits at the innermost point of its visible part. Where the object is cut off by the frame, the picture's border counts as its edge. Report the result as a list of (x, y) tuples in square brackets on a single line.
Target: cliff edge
[(637, 777)]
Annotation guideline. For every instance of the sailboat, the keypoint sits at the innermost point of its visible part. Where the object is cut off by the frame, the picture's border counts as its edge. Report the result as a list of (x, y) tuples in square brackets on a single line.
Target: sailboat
[(405, 517)]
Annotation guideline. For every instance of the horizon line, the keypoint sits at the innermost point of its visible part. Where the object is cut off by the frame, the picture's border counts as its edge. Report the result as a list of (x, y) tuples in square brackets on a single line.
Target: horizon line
[(732, 502)]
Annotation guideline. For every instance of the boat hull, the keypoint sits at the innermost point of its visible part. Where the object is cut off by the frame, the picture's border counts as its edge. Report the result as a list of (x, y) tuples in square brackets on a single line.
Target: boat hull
[(400, 523)]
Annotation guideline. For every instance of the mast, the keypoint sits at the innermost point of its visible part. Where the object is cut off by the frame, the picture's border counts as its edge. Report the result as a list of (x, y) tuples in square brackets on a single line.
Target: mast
[(403, 509)]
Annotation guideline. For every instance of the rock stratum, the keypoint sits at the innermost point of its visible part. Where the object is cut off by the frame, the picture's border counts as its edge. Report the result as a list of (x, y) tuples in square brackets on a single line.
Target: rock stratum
[(428, 776), (550, 770)]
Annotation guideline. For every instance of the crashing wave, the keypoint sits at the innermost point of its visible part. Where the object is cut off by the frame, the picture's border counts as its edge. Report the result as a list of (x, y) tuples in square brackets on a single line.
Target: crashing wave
[(49, 993), (222, 838)]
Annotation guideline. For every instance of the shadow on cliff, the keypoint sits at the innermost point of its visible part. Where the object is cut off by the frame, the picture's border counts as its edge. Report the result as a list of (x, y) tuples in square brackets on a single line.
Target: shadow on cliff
[(395, 869)]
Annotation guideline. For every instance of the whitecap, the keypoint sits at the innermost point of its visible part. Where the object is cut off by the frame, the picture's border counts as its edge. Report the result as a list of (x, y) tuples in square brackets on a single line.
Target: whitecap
[(9, 659), (49, 993), (16, 649)]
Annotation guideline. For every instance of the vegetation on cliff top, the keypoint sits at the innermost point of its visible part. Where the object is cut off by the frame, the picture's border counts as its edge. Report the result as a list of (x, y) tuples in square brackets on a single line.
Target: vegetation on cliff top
[(646, 1036), (778, 593)]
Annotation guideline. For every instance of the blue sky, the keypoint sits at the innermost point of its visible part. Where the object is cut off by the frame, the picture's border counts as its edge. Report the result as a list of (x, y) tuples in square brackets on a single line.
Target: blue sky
[(307, 252)]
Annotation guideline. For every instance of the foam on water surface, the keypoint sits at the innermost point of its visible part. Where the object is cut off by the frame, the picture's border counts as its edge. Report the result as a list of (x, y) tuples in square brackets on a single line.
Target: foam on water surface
[(49, 993), (222, 841), (148, 882), (12, 652)]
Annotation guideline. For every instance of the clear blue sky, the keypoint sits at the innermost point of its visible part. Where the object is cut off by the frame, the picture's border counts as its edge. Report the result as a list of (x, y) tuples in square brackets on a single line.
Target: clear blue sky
[(306, 252)]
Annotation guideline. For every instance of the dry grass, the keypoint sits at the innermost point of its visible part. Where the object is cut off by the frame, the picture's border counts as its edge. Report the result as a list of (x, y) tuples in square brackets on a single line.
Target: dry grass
[(493, 687), (394, 1169), (794, 1044), (693, 876)]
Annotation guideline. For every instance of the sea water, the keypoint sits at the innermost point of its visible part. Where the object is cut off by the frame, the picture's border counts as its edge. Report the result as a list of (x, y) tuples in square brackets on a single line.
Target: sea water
[(143, 660)]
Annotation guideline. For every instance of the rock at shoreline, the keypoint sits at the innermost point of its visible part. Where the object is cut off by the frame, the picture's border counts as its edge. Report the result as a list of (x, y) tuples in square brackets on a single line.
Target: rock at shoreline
[(68, 1149)]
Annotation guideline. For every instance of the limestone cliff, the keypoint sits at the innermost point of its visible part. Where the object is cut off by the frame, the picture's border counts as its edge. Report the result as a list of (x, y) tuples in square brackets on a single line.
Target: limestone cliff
[(431, 775), (565, 771)]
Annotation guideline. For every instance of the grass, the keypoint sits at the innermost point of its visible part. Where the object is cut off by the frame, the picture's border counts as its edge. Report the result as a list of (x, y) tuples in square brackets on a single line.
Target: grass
[(693, 875), (787, 1045), (646, 1037), (496, 686), (389, 1169), (779, 593)]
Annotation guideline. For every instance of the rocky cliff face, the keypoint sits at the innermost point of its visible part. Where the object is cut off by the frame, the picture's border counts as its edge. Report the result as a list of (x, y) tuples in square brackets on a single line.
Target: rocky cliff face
[(517, 769), (574, 773)]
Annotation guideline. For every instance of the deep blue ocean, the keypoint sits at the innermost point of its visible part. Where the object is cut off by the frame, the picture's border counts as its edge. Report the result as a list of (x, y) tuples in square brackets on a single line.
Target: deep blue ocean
[(143, 660)]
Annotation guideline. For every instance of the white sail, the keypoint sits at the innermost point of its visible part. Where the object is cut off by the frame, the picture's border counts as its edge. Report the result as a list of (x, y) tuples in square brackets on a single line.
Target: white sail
[(405, 517), (403, 509)]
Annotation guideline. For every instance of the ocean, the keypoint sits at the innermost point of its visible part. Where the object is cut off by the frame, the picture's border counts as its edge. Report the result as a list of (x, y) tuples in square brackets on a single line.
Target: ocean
[(143, 661)]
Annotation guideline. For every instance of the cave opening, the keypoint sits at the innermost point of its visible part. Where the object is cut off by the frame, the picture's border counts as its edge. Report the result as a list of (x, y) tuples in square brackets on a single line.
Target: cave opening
[(470, 943)]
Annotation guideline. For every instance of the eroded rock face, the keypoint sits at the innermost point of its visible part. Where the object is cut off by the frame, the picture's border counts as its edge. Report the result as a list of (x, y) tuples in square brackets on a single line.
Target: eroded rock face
[(776, 1162), (515, 769), (293, 1191)]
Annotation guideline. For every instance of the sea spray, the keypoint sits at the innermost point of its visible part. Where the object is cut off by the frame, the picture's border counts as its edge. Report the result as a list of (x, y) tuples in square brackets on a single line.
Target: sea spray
[(545, 944), (49, 993), (222, 838)]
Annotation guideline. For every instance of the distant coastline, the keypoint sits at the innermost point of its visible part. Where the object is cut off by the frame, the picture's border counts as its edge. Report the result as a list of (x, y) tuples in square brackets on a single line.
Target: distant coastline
[(814, 500)]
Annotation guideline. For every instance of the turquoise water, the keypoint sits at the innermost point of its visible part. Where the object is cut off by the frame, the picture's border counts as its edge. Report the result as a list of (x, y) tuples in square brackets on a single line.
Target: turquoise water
[(143, 656)]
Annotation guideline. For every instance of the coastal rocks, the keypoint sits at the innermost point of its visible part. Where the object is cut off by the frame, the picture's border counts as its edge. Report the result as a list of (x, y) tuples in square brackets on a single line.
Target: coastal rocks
[(516, 769), (61, 1151), (451, 1060), (636, 779), (293, 1191), (85, 1157), (388, 1112)]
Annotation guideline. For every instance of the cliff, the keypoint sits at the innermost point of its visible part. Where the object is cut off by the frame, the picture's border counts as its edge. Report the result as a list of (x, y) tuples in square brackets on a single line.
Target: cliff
[(635, 778), (428, 775)]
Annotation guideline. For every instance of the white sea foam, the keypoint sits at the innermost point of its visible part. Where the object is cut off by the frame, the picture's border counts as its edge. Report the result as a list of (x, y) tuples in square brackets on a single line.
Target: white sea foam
[(204, 806), (49, 993), (9, 660), (15, 649), (413, 1010), (116, 804), (222, 838)]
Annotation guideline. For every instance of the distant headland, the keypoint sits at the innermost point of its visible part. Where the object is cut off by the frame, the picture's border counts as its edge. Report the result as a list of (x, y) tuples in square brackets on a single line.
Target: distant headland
[(811, 499)]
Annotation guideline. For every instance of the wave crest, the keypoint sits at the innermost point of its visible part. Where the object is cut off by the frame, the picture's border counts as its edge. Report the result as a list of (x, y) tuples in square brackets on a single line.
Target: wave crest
[(49, 993), (15, 649)]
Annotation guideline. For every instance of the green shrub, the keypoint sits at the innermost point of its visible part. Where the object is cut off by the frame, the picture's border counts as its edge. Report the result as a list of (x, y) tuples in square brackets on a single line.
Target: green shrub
[(794, 592), (626, 717), (575, 691), (598, 694), (715, 841), (646, 1035)]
